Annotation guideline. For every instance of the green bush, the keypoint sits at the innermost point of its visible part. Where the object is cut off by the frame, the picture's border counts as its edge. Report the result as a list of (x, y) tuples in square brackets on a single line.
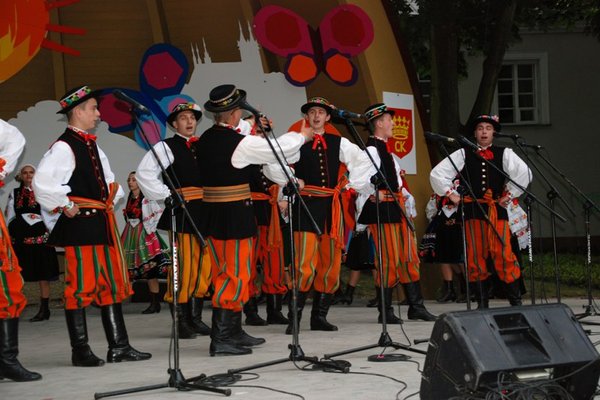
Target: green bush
[(572, 267)]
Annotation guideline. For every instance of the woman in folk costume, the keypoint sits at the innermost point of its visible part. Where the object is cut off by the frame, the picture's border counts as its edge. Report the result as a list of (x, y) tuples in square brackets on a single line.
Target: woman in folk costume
[(29, 235), (442, 244), (12, 300), (227, 218), (146, 253), (76, 188), (400, 259)]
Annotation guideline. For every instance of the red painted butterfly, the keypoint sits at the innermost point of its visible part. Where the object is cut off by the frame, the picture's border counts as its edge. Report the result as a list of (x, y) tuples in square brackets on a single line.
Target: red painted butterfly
[(344, 32)]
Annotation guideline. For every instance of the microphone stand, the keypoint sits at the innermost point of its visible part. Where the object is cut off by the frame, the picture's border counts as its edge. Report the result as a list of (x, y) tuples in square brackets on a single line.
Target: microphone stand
[(385, 340), (588, 205), (290, 190), (551, 194), (176, 378)]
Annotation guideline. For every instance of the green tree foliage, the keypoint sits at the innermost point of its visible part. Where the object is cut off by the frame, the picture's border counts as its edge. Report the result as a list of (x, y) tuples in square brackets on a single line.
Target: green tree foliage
[(442, 33)]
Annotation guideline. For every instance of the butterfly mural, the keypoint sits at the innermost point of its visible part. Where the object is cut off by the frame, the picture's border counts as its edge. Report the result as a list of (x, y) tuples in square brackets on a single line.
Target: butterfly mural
[(163, 73), (344, 32)]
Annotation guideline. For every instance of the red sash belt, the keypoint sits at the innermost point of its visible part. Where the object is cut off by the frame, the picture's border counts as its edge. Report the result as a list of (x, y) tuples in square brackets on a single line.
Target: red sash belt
[(337, 224), (108, 206), (274, 239)]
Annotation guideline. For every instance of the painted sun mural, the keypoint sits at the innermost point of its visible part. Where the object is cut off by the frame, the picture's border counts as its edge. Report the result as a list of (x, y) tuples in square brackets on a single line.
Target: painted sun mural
[(24, 25)]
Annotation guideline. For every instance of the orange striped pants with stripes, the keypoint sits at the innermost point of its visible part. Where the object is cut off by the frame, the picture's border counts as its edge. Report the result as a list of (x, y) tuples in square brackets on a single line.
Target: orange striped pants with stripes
[(272, 263), (480, 246), (12, 300), (193, 270), (399, 254), (92, 273), (231, 264), (318, 262)]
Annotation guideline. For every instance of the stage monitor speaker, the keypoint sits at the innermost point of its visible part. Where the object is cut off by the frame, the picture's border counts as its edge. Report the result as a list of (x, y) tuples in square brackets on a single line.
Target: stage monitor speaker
[(469, 349)]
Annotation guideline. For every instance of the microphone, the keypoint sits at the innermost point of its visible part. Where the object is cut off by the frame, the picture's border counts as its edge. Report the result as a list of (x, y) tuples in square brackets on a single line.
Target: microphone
[(257, 114), (532, 146), (244, 105), (137, 106), (507, 135), (346, 114), (435, 137), (467, 143)]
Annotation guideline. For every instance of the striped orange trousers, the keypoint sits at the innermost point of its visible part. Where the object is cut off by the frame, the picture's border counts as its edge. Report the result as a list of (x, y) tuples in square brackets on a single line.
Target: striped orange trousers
[(12, 300), (480, 246), (271, 258), (231, 263), (94, 273), (399, 254), (193, 270), (318, 262)]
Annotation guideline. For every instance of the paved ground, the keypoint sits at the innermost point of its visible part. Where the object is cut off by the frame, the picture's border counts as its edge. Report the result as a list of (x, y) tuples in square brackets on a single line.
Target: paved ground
[(45, 348)]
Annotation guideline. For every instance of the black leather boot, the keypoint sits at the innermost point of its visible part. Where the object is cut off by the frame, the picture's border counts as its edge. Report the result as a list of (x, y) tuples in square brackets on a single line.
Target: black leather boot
[(43, 313), (196, 304), (461, 296), (513, 293), (251, 311), (416, 308), (301, 301), (240, 336), (119, 348), (10, 367), (154, 307), (81, 354), (185, 330), (482, 289), (318, 315), (390, 317), (374, 302), (274, 306), (221, 343), (447, 294), (348, 296)]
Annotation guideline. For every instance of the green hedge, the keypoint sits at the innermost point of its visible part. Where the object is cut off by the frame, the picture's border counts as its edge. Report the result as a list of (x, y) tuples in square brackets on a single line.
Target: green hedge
[(573, 270)]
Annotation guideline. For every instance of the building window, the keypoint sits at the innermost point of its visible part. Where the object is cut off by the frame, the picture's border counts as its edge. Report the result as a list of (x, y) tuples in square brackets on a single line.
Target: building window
[(522, 91)]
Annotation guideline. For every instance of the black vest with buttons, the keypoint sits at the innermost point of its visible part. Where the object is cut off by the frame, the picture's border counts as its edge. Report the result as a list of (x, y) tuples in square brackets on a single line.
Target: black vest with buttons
[(184, 172), (229, 220), (482, 177), (388, 210), (318, 167), (90, 226)]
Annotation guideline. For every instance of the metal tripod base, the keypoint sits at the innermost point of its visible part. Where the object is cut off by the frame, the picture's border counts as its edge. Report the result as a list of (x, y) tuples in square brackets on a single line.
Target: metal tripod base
[(384, 341), (296, 354), (589, 311), (176, 380)]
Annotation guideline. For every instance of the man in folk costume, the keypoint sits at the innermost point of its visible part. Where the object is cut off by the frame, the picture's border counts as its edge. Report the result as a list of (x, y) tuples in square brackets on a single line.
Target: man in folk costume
[(494, 193), (227, 218), (12, 300), (400, 257), (77, 191), (180, 159), (268, 245), (321, 173)]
